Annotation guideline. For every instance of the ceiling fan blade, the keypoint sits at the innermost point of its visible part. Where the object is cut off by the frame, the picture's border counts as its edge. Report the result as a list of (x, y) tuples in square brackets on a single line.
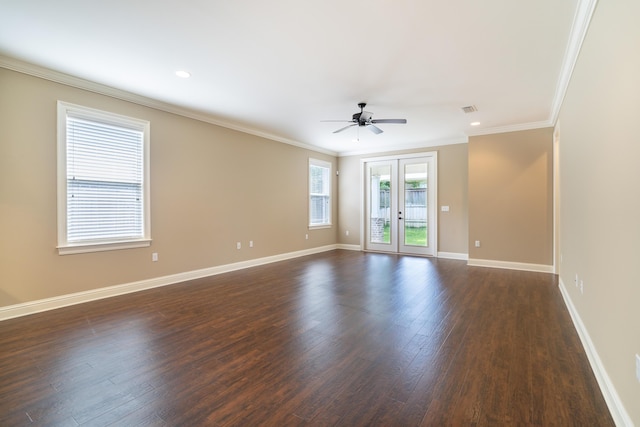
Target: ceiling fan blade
[(374, 129), (399, 121), (336, 121), (346, 127)]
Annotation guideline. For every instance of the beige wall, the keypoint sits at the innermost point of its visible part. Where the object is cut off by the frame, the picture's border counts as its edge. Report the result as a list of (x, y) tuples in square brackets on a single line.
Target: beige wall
[(210, 187), (600, 192), (452, 191), (511, 197)]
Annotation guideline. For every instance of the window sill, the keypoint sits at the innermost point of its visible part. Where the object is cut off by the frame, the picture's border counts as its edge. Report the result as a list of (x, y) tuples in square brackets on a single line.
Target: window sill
[(319, 226), (81, 248)]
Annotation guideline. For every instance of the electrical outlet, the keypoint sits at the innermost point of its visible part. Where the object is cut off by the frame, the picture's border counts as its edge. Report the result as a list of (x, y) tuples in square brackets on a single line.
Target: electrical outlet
[(306, 237), (477, 243), (250, 243), (154, 257), (346, 232), (638, 367), (238, 245), (581, 287), (576, 281)]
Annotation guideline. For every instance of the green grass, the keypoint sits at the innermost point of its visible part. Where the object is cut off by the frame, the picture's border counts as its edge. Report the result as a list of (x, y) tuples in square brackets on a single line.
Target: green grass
[(412, 236)]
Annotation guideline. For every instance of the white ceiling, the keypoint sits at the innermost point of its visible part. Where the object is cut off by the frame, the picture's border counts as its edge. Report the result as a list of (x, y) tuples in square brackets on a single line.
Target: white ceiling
[(279, 67)]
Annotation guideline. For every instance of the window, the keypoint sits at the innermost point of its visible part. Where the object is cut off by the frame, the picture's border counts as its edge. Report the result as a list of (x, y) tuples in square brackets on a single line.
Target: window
[(319, 193), (103, 180)]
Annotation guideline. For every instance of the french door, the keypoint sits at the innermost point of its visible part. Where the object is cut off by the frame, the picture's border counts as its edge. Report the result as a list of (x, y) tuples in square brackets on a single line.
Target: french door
[(400, 199)]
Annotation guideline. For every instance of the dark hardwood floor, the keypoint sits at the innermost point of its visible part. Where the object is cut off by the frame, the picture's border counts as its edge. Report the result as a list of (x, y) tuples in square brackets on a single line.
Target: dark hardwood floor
[(340, 338)]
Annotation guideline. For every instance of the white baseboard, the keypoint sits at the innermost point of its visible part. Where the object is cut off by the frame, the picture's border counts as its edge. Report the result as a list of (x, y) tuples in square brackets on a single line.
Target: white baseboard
[(38, 306), (349, 247), (453, 255), (541, 268), (618, 412)]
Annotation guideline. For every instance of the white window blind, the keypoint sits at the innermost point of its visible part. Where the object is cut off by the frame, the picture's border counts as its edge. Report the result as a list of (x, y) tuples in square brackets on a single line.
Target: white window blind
[(104, 181), (104, 172), (319, 193)]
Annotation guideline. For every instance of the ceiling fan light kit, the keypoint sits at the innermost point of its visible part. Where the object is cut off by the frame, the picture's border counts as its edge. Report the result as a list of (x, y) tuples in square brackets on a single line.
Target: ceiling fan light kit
[(364, 119)]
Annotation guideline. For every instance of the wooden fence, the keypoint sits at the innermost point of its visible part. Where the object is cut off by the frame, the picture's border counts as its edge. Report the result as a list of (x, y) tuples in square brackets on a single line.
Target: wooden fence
[(415, 213)]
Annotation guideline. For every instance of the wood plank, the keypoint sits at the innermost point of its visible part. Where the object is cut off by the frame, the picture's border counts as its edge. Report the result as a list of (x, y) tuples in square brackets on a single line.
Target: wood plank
[(338, 338)]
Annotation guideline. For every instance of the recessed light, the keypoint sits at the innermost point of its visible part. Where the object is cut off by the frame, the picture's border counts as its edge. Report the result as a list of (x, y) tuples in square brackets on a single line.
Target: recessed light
[(474, 123), (183, 74)]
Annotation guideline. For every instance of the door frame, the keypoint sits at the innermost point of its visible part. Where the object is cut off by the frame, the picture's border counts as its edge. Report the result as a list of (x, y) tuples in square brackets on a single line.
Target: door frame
[(432, 187)]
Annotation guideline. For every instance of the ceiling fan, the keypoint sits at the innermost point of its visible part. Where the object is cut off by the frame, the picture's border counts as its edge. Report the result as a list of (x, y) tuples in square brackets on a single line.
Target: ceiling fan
[(363, 119)]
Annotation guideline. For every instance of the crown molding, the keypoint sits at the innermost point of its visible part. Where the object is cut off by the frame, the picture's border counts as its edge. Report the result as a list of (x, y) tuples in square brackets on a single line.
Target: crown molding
[(513, 128), (79, 83), (579, 27), (581, 21), (410, 146)]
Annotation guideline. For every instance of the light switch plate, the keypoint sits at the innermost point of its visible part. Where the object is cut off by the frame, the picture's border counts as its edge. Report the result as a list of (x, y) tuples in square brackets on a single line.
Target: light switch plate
[(444, 208)]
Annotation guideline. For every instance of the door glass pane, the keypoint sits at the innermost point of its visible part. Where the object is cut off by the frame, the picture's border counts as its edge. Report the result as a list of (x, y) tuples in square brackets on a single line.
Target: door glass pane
[(415, 205), (380, 208)]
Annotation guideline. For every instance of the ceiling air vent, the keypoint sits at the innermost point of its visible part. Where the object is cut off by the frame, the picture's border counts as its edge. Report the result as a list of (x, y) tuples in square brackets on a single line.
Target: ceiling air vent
[(469, 109)]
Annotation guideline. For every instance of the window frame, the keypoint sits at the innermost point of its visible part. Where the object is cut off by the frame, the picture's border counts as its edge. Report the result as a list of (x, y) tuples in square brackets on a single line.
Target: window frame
[(328, 165), (95, 245)]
